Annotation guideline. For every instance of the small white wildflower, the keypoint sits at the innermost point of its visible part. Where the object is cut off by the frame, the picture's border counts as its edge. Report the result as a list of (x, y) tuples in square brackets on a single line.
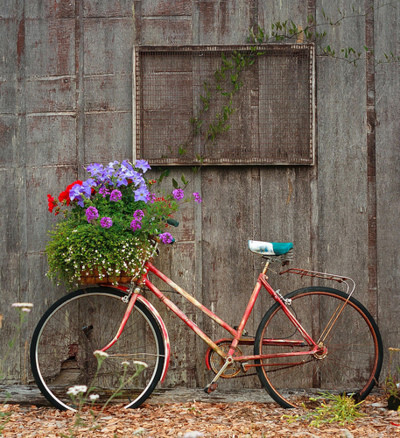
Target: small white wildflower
[(22, 305), (77, 389), (72, 391), (140, 363), (94, 397), (100, 353), (125, 363)]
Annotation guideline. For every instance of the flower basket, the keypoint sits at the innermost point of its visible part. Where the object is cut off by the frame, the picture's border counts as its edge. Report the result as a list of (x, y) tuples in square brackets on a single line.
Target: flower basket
[(107, 224), (89, 278)]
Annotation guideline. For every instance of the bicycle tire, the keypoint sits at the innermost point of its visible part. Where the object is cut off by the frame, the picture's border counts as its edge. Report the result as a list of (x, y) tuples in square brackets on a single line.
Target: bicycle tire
[(86, 320), (354, 354)]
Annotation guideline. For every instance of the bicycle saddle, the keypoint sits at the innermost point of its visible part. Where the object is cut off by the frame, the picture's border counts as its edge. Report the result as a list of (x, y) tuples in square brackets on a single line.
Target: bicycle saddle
[(270, 248)]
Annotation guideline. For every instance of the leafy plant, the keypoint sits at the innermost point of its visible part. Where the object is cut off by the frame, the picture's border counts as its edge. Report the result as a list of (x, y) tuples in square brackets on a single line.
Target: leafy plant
[(392, 382), (332, 408), (85, 397), (108, 221)]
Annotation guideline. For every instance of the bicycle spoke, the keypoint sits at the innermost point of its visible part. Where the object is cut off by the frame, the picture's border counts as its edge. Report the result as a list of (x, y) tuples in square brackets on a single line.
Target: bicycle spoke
[(350, 354), (64, 342)]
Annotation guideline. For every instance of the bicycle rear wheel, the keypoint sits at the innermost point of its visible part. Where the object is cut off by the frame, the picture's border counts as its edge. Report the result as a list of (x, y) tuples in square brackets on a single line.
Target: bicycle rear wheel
[(351, 355), (87, 320)]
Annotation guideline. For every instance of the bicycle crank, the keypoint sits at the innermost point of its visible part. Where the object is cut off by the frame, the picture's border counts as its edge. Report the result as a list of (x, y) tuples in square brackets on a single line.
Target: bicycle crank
[(216, 362)]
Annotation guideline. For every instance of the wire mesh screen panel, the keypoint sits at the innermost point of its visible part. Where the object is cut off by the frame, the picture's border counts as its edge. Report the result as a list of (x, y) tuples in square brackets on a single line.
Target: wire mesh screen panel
[(193, 105)]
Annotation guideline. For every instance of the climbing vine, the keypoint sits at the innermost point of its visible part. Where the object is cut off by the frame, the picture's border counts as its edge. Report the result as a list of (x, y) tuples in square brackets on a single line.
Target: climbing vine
[(227, 80)]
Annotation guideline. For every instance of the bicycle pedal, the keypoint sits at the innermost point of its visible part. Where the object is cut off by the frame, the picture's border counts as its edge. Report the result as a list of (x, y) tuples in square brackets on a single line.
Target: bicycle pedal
[(210, 388)]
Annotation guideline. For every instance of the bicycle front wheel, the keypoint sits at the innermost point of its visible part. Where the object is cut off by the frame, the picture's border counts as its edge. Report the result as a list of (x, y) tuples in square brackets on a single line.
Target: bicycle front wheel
[(350, 356), (82, 322)]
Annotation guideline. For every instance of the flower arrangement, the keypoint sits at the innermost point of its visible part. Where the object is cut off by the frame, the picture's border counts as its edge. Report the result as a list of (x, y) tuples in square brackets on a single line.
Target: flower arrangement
[(107, 222)]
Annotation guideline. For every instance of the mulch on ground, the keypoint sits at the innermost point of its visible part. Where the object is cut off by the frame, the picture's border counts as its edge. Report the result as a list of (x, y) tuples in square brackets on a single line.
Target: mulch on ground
[(195, 420)]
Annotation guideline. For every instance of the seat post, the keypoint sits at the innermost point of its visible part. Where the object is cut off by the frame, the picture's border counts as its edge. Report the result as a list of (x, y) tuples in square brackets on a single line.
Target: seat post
[(266, 267)]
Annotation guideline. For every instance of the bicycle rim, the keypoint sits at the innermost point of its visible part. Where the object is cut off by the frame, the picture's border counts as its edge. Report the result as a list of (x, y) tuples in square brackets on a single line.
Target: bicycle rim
[(350, 359), (82, 322)]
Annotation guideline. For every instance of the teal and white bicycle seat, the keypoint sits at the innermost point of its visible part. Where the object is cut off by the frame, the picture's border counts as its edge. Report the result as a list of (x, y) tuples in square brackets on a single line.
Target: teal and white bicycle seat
[(270, 248)]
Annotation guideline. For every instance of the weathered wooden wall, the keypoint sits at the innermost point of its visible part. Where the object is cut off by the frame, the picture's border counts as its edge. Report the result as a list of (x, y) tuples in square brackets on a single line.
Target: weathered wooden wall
[(66, 101)]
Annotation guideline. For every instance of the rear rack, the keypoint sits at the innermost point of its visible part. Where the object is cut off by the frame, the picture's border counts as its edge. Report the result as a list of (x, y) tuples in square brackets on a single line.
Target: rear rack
[(349, 282)]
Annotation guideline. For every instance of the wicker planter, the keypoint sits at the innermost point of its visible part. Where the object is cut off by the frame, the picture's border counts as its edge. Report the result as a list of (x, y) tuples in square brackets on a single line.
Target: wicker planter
[(93, 278)]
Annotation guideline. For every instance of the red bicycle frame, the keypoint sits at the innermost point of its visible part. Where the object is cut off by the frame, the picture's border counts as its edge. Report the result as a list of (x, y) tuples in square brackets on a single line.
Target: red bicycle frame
[(236, 333)]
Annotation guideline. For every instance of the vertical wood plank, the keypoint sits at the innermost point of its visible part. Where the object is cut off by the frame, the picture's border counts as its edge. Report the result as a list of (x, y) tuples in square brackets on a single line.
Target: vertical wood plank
[(387, 22)]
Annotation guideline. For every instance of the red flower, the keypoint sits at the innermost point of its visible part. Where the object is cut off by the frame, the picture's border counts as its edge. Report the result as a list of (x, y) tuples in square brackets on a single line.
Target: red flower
[(64, 196), (51, 203)]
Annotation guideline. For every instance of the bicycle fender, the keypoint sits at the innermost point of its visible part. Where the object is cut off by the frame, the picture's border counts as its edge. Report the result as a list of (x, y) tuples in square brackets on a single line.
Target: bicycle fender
[(163, 328)]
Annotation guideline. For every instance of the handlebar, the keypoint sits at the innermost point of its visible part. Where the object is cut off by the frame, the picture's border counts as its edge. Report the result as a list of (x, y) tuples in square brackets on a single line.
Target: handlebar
[(172, 222)]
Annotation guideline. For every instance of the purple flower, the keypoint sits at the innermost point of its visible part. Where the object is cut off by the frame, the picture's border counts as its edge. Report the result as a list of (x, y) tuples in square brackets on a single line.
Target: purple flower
[(121, 181), (106, 222), (143, 165), (141, 194), (104, 191), (95, 169), (137, 179), (91, 214), (197, 197), (136, 225), (115, 196), (178, 194), (75, 192), (151, 197), (138, 215), (86, 187), (166, 238)]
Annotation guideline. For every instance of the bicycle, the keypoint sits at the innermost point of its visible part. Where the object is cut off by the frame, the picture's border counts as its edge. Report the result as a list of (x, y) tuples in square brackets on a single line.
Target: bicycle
[(337, 348)]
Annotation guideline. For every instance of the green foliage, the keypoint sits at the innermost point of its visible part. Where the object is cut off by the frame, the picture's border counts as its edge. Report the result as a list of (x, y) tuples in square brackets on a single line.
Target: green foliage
[(392, 381), (5, 417), (332, 408), (77, 247), (83, 396), (108, 222)]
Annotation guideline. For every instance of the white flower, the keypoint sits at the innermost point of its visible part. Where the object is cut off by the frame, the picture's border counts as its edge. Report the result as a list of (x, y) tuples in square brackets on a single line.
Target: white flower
[(77, 389), (100, 353), (25, 307), (125, 363), (94, 397), (140, 364), (22, 305)]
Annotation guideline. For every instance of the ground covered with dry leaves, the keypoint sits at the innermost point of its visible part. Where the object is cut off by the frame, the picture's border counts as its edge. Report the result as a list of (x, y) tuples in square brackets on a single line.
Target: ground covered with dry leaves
[(195, 420)]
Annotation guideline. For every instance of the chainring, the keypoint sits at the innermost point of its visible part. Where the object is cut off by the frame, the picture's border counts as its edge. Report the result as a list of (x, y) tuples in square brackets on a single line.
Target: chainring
[(216, 361)]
